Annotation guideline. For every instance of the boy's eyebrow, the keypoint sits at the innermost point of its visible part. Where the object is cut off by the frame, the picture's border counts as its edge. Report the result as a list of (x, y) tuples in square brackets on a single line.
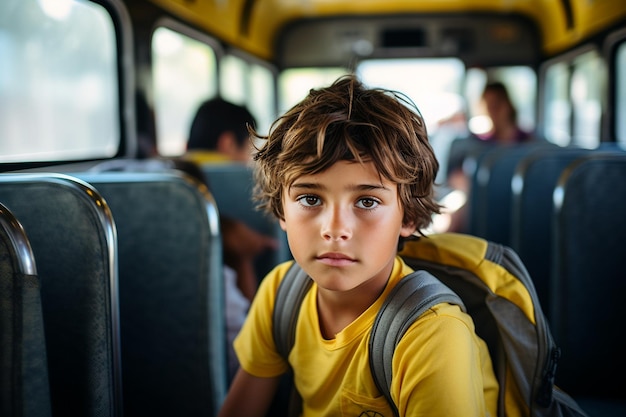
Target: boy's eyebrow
[(355, 187)]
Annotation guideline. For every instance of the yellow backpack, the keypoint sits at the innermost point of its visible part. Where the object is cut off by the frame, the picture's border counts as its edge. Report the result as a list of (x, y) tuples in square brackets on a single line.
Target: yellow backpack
[(489, 282)]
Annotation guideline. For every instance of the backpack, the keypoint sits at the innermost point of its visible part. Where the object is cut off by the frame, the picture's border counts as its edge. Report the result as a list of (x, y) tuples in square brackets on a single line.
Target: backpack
[(488, 281)]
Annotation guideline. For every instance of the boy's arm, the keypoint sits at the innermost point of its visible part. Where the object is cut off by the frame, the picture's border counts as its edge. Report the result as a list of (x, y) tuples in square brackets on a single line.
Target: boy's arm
[(249, 396)]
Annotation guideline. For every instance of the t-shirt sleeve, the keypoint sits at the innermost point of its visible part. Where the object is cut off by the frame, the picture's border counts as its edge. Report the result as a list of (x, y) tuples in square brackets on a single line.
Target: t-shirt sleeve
[(255, 345), (440, 366)]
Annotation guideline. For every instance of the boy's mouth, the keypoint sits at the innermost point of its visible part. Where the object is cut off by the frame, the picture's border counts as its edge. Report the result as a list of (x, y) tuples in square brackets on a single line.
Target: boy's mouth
[(335, 259)]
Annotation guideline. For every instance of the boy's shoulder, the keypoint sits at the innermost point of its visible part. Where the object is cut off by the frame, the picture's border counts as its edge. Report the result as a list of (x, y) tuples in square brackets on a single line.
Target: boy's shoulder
[(272, 280), (280, 270)]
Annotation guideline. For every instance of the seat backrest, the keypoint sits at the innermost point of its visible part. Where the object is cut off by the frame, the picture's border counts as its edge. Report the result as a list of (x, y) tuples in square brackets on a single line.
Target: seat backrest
[(471, 169), (171, 292), (491, 192), (24, 385), (588, 275), (464, 152), (533, 185), (72, 235), (232, 185)]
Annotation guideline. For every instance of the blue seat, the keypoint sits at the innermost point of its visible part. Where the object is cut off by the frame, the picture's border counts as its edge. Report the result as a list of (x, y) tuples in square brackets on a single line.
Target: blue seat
[(588, 278), (171, 292), (24, 385), (232, 185), (532, 210), (72, 236), (464, 154), (491, 193)]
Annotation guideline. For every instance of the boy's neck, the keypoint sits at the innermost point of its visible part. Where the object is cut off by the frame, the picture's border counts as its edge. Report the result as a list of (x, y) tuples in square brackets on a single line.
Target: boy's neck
[(337, 310)]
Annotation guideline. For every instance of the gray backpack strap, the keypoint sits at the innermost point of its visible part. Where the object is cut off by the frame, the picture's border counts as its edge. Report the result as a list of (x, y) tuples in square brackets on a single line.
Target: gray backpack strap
[(291, 291), (409, 299)]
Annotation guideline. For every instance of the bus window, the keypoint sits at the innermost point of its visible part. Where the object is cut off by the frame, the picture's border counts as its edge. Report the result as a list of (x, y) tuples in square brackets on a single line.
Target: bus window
[(620, 94), (442, 90), (434, 85), (262, 96), (572, 99), (587, 84), (59, 94), (249, 84), (294, 84), (233, 78), (185, 74), (557, 108)]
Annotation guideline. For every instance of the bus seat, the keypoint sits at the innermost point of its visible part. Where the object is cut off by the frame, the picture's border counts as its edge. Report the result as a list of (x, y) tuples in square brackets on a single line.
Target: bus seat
[(171, 292), (72, 235), (588, 277), (24, 389), (467, 154), (465, 149), (532, 209), (490, 215), (232, 185)]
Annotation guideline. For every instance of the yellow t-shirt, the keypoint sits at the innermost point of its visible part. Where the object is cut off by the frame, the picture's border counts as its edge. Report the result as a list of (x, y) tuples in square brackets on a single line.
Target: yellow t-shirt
[(440, 367)]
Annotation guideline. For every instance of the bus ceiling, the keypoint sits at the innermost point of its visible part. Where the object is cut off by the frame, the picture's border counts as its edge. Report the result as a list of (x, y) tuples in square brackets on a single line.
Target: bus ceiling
[(482, 40), (522, 29)]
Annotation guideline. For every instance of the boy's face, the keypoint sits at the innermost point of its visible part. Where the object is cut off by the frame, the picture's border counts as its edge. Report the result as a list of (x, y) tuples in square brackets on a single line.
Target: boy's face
[(343, 225)]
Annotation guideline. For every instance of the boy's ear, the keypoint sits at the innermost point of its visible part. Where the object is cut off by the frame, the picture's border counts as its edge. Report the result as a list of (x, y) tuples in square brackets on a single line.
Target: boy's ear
[(282, 224), (407, 229)]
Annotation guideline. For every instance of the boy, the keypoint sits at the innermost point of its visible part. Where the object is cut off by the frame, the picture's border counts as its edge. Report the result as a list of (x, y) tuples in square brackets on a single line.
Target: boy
[(349, 173)]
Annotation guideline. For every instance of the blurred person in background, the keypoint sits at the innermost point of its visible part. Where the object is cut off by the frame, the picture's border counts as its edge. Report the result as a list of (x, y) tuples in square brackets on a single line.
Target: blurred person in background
[(503, 129)]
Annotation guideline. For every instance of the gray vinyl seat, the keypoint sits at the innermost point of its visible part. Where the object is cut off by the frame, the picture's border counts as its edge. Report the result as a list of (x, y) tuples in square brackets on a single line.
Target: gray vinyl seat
[(171, 292), (589, 282), (72, 236), (24, 385)]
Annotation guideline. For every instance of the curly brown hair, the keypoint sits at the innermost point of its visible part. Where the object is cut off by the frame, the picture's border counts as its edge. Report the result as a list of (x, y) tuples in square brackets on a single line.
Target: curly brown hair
[(348, 121)]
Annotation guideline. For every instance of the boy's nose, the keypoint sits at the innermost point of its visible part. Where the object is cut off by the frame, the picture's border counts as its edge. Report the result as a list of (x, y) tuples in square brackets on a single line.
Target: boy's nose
[(337, 225)]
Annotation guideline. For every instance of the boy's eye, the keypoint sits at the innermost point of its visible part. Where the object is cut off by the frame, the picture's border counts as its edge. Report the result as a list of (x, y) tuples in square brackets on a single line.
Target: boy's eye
[(309, 200), (367, 203)]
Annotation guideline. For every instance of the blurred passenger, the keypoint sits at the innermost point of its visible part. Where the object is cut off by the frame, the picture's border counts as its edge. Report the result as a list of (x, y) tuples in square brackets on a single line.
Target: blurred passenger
[(504, 130), (219, 133), (503, 115)]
